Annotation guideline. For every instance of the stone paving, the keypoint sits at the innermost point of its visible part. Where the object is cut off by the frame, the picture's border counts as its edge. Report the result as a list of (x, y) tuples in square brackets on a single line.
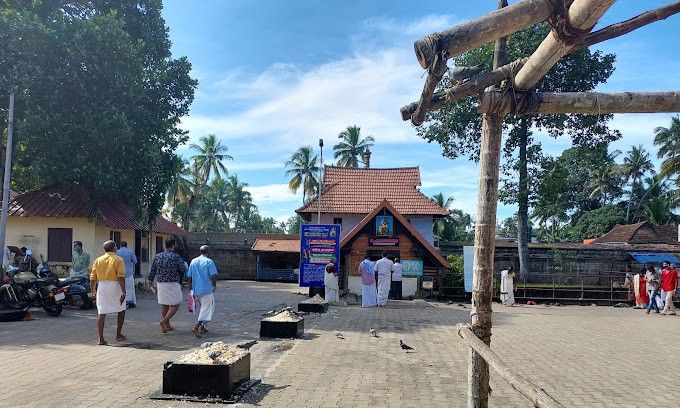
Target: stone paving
[(583, 356)]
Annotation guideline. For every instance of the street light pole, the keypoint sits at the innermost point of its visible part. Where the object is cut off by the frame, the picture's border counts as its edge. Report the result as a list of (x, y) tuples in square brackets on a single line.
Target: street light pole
[(8, 170), (318, 219)]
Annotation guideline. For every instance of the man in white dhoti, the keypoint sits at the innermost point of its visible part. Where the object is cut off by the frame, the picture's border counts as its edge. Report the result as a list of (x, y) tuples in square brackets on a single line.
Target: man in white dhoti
[(108, 287), (384, 267), (331, 284), (167, 269), (369, 296), (507, 287), (202, 279), (130, 260)]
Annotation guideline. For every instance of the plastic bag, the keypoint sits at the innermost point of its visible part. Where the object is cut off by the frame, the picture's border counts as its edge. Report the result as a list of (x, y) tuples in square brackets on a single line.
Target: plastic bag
[(191, 303)]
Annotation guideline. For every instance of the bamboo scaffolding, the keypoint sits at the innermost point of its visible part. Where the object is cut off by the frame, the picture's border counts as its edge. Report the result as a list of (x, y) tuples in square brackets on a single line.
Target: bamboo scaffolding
[(589, 103), (535, 394), (582, 15)]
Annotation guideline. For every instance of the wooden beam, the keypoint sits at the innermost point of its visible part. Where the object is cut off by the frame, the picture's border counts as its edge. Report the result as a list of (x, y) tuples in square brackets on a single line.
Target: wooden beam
[(485, 239), (625, 27), (589, 103), (475, 33), (538, 397), (472, 87), (434, 75), (582, 15)]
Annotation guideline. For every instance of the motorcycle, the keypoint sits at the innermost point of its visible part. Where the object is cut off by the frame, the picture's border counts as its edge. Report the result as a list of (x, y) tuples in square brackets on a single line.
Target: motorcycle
[(25, 289), (76, 290)]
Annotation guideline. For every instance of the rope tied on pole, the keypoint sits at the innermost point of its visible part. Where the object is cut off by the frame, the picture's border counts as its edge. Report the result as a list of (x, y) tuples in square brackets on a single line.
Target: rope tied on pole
[(561, 26)]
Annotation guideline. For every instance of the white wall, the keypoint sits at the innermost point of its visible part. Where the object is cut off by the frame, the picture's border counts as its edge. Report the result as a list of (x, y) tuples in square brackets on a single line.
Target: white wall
[(349, 221), (424, 224)]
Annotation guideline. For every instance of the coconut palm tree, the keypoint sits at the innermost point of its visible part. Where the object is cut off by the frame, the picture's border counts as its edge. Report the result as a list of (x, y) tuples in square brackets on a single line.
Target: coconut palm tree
[(605, 182), (445, 203), (180, 188), (658, 210), (304, 169), (211, 156), (635, 165), (239, 201), (351, 146), (668, 140)]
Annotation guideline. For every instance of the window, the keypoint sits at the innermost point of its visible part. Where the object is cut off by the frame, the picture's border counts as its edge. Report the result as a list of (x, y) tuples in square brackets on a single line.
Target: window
[(59, 244), (337, 221), (115, 237)]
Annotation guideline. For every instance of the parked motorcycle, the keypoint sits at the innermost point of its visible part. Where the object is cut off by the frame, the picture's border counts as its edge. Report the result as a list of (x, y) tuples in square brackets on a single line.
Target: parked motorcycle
[(76, 290), (25, 289)]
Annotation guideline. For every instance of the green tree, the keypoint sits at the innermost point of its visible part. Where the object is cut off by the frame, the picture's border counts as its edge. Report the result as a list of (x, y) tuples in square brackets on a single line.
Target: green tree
[(180, 187), (594, 223), (293, 225), (668, 140), (97, 86), (457, 128), (658, 210), (304, 169), (636, 165), (239, 201), (210, 157), (351, 146), (456, 225)]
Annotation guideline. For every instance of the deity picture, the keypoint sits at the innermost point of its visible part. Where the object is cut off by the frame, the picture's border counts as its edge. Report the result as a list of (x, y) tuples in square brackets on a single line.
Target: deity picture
[(384, 225)]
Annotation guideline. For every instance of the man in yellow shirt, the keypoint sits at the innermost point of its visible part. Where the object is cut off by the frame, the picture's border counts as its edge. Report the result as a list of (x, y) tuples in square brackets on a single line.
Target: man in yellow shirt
[(108, 286)]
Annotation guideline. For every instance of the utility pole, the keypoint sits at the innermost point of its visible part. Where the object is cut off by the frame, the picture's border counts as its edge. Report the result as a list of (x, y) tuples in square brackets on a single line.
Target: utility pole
[(8, 170), (319, 184)]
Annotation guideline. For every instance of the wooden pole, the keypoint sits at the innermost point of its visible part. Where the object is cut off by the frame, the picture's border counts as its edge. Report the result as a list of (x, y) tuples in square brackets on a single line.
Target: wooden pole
[(475, 33), (625, 27), (589, 103), (434, 75), (8, 173), (472, 87), (536, 395), (582, 15)]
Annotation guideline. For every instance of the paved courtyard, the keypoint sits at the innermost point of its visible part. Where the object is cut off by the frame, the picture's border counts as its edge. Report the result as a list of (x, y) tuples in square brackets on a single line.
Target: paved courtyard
[(583, 356)]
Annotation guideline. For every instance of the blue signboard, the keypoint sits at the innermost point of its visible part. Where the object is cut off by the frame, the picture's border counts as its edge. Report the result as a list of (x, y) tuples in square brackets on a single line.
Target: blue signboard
[(412, 267), (319, 245), (468, 263)]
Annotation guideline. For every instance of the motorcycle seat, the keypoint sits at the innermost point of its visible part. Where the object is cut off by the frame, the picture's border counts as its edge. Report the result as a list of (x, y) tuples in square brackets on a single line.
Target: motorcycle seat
[(68, 281)]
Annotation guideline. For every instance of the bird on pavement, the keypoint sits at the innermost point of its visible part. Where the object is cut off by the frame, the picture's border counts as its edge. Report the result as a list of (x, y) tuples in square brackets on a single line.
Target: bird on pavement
[(338, 334), (247, 345), (462, 74), (405, 346), (373, 332)]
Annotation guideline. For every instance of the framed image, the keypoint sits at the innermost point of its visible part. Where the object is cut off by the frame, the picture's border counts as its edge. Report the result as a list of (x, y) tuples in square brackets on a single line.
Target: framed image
[(384, 225)]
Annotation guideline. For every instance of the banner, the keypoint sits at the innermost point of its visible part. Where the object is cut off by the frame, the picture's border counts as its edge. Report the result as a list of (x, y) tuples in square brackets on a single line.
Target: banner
[(412, 267), (468, 261), (381, 242), (319, 245)]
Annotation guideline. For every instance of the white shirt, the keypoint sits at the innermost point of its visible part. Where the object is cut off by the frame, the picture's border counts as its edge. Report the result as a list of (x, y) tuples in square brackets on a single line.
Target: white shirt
[(384, 266), (396, 272)]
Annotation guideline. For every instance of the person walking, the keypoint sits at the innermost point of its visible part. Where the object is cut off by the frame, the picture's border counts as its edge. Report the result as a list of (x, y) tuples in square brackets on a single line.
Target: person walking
[(80, 263), (331, 284), (669, 283), (396, 280), (368, 290), (202, 279), (167, 269), (652, 280), (384, 268), (130, 260), (108, 288), (508, 286)]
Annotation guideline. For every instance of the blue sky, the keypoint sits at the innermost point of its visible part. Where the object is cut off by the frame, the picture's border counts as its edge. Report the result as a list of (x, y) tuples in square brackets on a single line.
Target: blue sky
[(275, 75)]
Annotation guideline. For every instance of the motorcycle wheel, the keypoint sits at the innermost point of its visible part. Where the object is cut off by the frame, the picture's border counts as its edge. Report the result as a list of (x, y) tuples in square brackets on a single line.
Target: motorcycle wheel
[(89, 304), (53, 308), (7, 302)]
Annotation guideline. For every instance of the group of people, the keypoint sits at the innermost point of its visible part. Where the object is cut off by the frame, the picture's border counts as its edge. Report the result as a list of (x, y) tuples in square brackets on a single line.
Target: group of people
[(655, 290), (110, 289), (380, 281)]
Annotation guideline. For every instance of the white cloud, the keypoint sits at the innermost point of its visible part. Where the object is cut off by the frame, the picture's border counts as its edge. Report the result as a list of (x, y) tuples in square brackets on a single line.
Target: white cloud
[(271, 193), (422, 26)]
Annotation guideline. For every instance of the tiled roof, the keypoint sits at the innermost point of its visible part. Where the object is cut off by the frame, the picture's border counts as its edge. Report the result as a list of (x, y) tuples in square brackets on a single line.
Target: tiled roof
[(277, 244), (640, 233), (73, 201), (348, 190), (417, 235)]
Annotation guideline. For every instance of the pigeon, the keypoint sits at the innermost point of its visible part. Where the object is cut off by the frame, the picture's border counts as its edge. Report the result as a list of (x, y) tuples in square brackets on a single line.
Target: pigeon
[(214, 354), (338, 334), (405, 346), (373, 332), (206, 344), (269, 313), (462, 74), (247, 345)]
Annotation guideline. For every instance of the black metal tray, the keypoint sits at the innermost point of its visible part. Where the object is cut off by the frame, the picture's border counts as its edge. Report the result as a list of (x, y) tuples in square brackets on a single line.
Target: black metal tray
[(282, 330), (205, 380), (313, 307)]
